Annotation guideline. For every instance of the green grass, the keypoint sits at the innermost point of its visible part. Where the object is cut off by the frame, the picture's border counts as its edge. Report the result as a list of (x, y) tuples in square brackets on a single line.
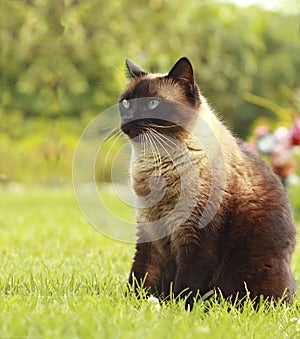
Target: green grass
[(60, 278)]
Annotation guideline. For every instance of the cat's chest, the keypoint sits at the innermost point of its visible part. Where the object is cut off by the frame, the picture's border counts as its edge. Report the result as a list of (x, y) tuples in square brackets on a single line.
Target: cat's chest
[(150, 176), (166, 190)]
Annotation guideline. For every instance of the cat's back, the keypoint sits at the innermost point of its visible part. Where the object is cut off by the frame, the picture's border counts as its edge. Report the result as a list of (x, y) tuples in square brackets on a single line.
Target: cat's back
[(259, 211), (259, 179)]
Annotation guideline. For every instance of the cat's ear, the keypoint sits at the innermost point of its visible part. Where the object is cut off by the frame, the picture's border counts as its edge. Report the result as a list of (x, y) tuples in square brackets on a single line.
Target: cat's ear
[(182, 70), (134, 71)]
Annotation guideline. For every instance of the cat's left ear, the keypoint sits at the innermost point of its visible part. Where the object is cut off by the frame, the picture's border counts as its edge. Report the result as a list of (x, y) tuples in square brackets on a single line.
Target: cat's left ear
[(183, 70), (134, 71)]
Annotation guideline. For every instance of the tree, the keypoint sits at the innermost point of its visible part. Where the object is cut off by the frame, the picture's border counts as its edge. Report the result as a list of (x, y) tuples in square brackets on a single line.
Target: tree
[(65, 58)]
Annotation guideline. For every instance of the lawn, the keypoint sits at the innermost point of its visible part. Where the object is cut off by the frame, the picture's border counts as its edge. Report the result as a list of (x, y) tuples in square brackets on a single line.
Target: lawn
[(61, 278)]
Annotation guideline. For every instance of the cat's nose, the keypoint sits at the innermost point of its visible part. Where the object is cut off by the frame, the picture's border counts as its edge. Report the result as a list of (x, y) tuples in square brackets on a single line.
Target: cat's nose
[(130, 129)]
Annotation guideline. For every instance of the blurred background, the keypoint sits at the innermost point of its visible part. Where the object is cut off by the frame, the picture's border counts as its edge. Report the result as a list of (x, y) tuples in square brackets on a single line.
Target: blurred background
[(62, 63)]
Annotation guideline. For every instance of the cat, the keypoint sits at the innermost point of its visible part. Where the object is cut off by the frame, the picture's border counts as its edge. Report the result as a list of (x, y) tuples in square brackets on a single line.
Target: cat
[(211, 215)]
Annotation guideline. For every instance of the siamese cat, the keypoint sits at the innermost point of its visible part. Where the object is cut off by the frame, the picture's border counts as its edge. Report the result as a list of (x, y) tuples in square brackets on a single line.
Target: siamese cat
[(211, 215)]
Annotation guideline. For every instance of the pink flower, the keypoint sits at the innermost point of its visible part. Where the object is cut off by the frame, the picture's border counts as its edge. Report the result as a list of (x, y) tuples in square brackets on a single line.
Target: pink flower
[(261, 130), (283, 137), (295, 133), (251, 147)]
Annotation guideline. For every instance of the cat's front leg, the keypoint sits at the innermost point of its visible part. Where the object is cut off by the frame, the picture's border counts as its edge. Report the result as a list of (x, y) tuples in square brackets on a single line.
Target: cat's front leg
[(146, 271), (193, 275)]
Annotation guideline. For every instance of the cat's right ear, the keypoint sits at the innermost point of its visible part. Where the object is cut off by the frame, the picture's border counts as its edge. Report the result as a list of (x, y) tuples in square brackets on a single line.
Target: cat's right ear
[(182, 70), (134, 71)]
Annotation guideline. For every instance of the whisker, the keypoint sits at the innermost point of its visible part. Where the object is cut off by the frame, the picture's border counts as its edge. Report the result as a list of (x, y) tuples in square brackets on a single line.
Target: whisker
[(118, 135), (149, 124), (156, 136), (147, 134), (99, 132), (144, 141), (94, 140), (158, 155), (110, 87), (165, 139), (155, 154)]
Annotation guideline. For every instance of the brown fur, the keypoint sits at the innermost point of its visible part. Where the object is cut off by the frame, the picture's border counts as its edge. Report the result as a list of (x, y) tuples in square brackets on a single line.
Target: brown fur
[(249, 241)]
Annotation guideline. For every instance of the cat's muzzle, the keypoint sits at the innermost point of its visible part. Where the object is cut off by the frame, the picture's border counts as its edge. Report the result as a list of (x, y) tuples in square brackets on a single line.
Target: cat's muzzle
[(131, 128)]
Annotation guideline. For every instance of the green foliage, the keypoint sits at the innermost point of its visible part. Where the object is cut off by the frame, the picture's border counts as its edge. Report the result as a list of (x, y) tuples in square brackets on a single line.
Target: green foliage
[(65, 58), (62, 63), (59, 278), (44, 156)]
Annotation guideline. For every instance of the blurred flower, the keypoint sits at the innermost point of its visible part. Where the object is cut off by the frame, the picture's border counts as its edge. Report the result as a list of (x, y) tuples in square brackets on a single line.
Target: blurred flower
[(281, 146), (266, 143), (283, 162), (252, 147), (261, 130), (295, 133), (283, 137)]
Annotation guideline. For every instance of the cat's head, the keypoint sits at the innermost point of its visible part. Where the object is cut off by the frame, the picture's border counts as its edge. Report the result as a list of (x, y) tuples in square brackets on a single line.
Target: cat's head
[(165, 103)]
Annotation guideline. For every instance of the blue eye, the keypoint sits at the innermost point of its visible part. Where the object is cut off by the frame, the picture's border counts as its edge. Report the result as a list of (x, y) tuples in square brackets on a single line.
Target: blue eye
[(125, 103), (153, 104)]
